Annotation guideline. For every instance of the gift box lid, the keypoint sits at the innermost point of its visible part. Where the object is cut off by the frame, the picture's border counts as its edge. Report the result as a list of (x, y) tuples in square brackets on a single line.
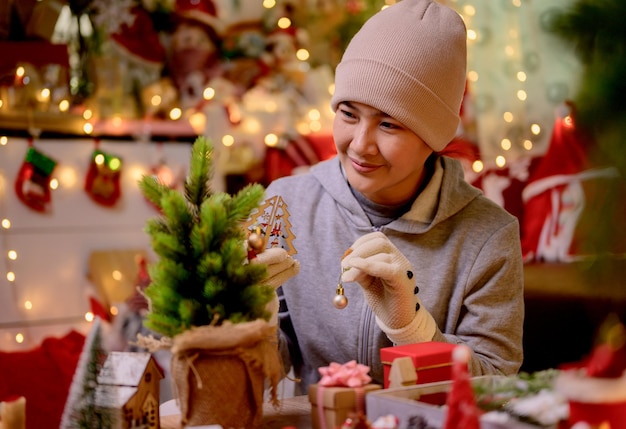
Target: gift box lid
[(426, 355), (339, 397)]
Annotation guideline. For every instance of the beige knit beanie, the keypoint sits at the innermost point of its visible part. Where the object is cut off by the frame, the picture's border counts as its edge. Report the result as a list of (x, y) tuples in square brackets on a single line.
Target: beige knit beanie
[(409, 61)]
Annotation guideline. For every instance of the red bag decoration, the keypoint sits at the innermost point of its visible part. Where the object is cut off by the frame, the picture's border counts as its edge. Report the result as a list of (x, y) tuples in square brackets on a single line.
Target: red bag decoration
[(32, 185), (102, 183)]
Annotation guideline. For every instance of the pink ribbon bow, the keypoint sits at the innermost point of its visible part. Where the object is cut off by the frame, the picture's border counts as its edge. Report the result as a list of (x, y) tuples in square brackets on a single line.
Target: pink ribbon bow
[(350, 374)]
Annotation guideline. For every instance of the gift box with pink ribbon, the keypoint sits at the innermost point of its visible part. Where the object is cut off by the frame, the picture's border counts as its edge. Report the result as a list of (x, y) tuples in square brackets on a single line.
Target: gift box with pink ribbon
[(340, 394)]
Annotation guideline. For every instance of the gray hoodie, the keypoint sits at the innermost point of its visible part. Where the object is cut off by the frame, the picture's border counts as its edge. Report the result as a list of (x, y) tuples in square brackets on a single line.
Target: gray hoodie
[(466, 255)]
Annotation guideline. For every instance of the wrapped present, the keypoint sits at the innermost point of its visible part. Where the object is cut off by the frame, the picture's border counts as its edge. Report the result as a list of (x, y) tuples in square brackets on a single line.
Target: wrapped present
[(340, 394), (432, 360), (335, 404)]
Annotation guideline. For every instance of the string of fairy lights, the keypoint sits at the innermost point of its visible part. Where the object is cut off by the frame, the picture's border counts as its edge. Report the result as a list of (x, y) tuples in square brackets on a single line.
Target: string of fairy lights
[(520, 77), (475, 36), (22, 305), (11, 254)]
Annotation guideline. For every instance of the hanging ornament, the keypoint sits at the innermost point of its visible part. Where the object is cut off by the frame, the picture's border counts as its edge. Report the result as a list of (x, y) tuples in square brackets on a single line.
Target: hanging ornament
[(102, 183), (33, 180), (166, 175), (340, 301), (255, 242)]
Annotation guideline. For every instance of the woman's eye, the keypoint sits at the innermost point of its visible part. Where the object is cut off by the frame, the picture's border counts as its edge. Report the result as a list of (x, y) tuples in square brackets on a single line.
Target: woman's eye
[(388, 125), (347, 113)]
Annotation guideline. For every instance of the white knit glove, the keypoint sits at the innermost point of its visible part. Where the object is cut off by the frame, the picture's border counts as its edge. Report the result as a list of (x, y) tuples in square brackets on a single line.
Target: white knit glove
[(386, 277), (280, 268)]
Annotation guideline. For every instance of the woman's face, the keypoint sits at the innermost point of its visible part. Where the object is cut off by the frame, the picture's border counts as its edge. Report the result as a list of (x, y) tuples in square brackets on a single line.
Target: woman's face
[(382, 158)]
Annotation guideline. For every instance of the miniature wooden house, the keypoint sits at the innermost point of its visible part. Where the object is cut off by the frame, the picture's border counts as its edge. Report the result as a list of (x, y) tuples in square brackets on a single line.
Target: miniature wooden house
[(128, 390)]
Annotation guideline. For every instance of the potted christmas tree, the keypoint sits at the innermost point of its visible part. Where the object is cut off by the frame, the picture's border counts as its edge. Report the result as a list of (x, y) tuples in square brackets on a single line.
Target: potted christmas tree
[(207, 299)]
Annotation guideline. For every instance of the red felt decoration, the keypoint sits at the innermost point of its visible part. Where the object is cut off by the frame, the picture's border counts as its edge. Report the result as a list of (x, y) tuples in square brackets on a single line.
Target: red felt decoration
[(32, 184), (43, 376), (462, 409), (102, 183), (98, 309), (568, 196)]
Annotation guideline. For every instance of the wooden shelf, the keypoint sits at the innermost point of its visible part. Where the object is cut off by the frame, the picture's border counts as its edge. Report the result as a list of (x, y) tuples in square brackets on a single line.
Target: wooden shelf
[(597, 279), (33, 121), (28, 123)]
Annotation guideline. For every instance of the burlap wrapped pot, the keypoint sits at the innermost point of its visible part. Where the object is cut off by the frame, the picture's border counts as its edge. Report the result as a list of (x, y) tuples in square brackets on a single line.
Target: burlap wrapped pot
[(220, 371)]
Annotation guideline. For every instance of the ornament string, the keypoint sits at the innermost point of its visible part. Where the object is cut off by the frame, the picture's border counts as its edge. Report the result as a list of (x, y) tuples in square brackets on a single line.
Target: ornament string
[(340, 300)]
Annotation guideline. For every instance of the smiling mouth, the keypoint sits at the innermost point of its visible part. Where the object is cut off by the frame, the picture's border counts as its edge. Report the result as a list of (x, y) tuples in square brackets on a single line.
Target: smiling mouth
[(363, 167)]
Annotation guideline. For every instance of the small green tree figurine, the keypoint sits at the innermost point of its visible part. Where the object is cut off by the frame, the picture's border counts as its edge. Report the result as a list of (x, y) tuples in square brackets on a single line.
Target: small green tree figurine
[(202, 276), (82, 410)]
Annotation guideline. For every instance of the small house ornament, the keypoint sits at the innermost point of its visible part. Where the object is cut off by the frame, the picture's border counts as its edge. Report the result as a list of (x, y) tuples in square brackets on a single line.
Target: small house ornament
[(128, 388)]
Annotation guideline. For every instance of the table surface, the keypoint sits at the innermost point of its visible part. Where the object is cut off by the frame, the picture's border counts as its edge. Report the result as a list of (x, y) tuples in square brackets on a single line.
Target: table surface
[(293, 412)]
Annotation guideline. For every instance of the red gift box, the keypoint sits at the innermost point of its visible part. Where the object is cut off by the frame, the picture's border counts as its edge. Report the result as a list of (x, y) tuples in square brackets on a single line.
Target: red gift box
[(432, 360)]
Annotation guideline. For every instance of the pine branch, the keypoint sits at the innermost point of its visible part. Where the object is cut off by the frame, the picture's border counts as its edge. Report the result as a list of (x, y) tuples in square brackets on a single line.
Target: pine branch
[(164, 324), (153, 189), (192, 313), (167, 246), (246, 200), (178, 215), (155, 226), (172, 274), (197, 185)]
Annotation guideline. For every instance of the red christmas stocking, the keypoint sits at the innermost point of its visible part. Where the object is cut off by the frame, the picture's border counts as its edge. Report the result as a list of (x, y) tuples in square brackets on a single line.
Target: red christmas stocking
[(102, 183), (32, 185)]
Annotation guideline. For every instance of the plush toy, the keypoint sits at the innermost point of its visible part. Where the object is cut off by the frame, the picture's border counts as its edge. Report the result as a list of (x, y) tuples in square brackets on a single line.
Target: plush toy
[(281, 59), (136, 61), (194, 59)]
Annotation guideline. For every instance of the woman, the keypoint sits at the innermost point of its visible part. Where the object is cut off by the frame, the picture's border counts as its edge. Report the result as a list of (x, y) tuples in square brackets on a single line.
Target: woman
[(421, 255)]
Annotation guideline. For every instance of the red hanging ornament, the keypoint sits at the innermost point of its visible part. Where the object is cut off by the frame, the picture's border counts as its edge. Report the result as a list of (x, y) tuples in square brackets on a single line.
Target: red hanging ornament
[(102, 183), (32, 184)]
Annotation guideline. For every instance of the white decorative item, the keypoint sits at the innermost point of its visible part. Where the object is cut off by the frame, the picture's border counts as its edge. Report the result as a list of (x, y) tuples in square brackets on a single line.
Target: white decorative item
[(13, 413)]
